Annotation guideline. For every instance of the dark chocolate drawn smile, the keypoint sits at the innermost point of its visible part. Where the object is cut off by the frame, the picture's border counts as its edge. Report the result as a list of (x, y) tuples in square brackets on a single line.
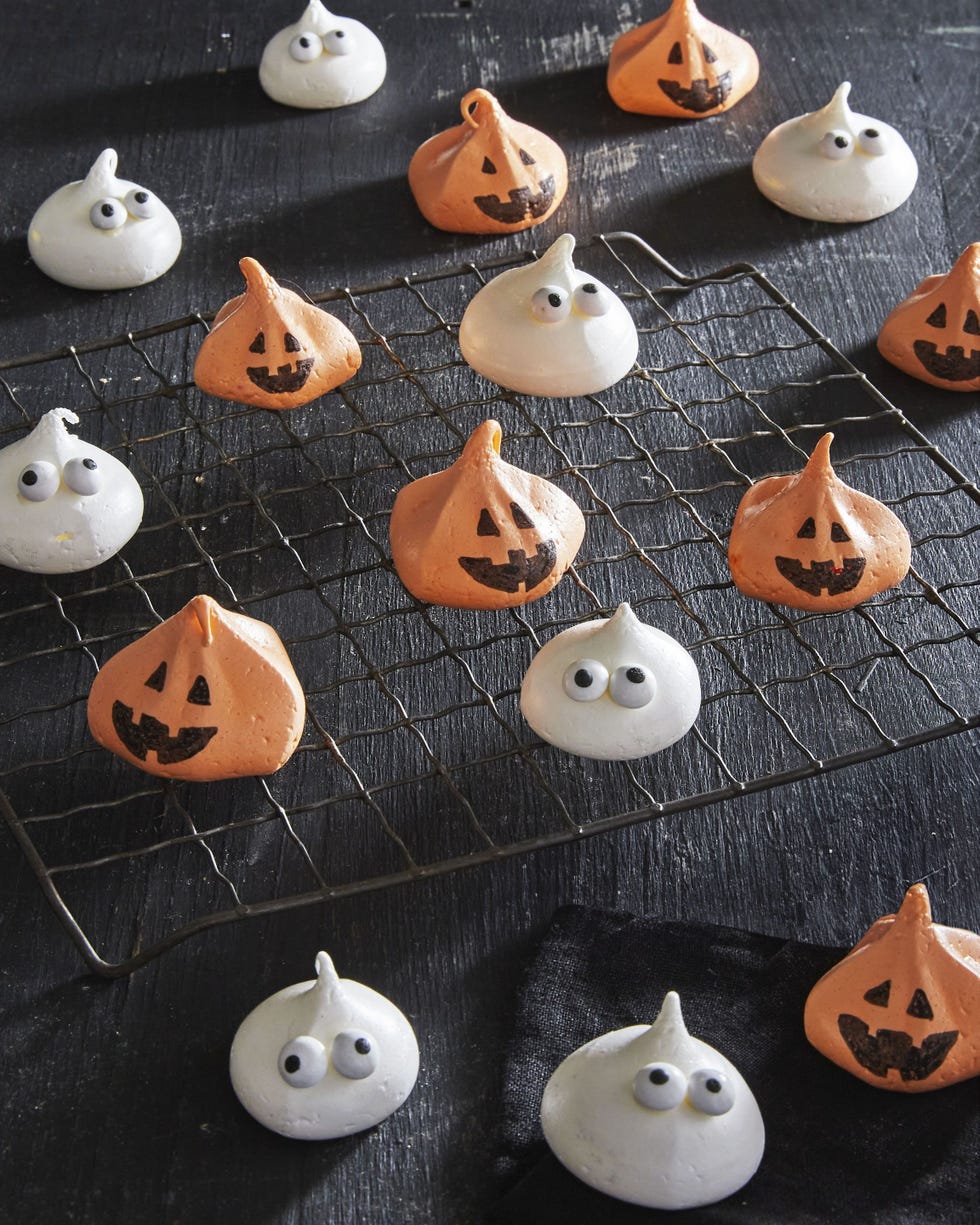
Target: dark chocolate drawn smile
[(150, 734), (953, 366), (286, 379), (892, 1048), (520, 203), (700, 96), (822, 574), (509, 575)]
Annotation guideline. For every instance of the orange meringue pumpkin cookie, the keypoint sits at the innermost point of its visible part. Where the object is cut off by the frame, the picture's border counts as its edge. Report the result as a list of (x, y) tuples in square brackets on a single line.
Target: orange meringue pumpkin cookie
[(902, 1010), (482, 533), (810, 541), (489, 175), (934, 335), (272, 348), (680, 65), (207, 694)]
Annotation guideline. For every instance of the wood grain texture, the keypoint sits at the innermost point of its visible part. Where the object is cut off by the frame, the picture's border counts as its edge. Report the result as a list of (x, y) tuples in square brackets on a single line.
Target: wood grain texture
[(117, 1106)]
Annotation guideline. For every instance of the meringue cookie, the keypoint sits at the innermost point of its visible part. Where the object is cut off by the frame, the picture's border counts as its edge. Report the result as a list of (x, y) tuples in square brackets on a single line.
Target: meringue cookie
[(103, 233), (653, 1116), (934, 334), (549, 329), (323, 1058), (65, 505), (612, 690), (835, 165), (322, 61), (489, 174)]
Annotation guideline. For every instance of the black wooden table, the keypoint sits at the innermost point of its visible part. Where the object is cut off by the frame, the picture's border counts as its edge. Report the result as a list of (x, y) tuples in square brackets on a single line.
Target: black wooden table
[(117, 1105)]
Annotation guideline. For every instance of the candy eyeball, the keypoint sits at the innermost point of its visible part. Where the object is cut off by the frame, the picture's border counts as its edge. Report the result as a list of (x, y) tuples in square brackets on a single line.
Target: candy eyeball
[(653, 1116), (835, 165), (612, 690), (349, 1059), (590, 342), (322, 61), (103, 232), (65, 505)]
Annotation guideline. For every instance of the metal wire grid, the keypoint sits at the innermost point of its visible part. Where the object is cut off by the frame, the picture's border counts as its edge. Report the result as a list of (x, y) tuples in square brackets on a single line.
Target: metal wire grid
[(415, 758)]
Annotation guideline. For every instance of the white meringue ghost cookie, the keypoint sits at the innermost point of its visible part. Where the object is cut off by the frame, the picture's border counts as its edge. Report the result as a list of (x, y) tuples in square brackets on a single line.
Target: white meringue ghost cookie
[(323, 1058), (322, 61), (102, 232), (835, 165), (65, 505), (549, 329), (612, 690), (652, 1116)]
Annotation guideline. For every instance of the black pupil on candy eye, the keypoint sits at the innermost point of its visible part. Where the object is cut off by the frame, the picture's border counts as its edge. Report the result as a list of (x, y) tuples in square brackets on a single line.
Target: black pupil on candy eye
[(362, 1046), (712, 1085), (554, 299), (258, 344), (303, 42), (635, 675), (872, 132), (658, 1077), (291, 343), (141, 197), (107, 210), (338, 33), (291, 1063), (675, 55), (590, 287), (583, 678), (29, 477), (841, 142), (90, 464)]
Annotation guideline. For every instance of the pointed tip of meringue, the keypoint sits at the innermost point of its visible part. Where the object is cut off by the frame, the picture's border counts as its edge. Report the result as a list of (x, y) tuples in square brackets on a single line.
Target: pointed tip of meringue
[(819, 465), (670, 1016), (102, 172), (484, 441), (257, 280), (206, 612), (327, 985), (915, 907), (559, 254)]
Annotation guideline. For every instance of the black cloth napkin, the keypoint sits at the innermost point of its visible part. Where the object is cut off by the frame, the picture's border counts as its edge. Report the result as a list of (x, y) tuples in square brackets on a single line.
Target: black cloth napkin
[(837, 1150)]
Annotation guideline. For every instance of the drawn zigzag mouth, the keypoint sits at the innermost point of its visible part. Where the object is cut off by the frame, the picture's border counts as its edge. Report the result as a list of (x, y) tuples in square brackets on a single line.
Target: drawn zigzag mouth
[(699, 96), (285, 379)]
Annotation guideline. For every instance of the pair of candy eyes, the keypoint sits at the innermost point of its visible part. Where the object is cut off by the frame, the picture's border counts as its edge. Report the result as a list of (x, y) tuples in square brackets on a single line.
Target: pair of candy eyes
[(110, 213), (41, 479), (661, 1086), (837, 144), (307, 46), (303, 1062), (551, 303), (588, 679)]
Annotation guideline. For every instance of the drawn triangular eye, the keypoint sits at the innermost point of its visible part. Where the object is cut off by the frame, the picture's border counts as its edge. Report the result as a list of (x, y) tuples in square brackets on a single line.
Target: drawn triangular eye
[(938, 317), (520, 517), (486, 526), (200, 694), (526, 158), (919, 1005), (879, 995), (488, 166), (972, 324), (675, 56), (837, 534), (709, 55), (808, 530), (258, 344), (157, 679), (290, 343)]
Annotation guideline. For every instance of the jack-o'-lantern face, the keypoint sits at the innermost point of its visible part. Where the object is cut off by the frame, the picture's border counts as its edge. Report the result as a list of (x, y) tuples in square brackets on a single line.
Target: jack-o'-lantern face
[(208, 694), (490, 174), (934, 334), (483, 534), (271, 348), (900, 1011), (681, 65), (810, 541)]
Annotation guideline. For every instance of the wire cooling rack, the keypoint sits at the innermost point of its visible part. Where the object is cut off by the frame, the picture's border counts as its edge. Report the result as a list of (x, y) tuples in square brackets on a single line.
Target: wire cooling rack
[(415, 759)]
